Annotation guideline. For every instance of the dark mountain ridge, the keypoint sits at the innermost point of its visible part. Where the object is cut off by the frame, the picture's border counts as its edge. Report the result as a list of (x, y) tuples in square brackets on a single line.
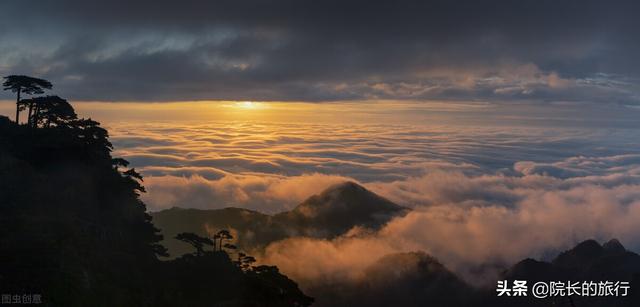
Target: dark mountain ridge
[(587, 261), (417, 279), (400, 279), (331, 213)]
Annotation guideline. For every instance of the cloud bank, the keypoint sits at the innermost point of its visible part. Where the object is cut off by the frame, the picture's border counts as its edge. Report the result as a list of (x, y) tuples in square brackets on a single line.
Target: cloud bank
[(326, 51), (472, 213), (478, 225), (483, 197), (264, 193), (254, 165)]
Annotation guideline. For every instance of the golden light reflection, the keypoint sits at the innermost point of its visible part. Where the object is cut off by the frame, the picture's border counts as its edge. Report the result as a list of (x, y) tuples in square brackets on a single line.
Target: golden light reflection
[(248, 105), (352, 112)]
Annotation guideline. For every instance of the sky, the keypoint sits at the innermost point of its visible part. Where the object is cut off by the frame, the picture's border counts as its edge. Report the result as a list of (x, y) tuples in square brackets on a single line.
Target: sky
[(496, 121), (542, 51)]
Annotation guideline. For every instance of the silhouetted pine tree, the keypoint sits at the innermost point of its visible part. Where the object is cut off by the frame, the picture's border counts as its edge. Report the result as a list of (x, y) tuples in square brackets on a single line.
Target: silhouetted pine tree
[(24, 84), (75, 231)]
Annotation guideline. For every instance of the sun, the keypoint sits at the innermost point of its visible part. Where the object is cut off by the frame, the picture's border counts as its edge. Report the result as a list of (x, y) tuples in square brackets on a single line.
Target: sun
[(247, 105)]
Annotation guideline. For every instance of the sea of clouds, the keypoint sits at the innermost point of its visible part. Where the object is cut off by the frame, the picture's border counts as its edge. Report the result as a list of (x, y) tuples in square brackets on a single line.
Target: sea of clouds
[(483, 198), (271, 167)]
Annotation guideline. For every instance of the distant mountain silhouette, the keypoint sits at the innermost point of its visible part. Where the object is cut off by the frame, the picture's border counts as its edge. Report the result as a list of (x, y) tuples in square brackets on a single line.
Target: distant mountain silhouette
[(331, 213), (587, 261), (401, 279), (417, 279)]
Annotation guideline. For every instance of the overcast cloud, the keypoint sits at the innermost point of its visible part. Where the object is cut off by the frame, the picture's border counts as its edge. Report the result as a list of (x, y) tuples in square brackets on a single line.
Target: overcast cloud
[(326, 50)]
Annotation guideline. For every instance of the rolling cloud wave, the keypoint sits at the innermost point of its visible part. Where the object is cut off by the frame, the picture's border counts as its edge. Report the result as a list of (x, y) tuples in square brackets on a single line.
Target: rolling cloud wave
[(246, 164), (482, 197)]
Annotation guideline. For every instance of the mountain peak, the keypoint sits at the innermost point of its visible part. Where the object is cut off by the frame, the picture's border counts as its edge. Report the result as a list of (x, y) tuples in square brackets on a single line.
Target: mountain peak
[(341, 207), (589, 251), (587, 248), (347, 189), (614, 246), (581, 254), (588, 260), (346, 197), (345, 186)]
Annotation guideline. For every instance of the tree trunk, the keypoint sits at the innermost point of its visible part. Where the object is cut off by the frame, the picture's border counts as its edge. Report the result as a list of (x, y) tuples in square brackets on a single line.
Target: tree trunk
[(36, 117), (18, 108), (29, 115)]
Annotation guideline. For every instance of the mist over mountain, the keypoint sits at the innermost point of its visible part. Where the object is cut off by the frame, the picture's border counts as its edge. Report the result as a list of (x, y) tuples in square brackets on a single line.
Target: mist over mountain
[(412, 278), (417, 279), (400, 279), (331, 213), (327, 153), (97, 204)]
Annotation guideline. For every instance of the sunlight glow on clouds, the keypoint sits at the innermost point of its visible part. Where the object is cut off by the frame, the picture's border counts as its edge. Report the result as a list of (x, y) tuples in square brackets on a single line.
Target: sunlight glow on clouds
[(477, 175), (511, 132), (227, 162), (491, 220), (476, 179)]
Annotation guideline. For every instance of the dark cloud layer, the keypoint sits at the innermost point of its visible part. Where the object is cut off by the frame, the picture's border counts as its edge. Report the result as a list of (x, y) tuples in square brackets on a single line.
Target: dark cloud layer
[(326, 50)]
